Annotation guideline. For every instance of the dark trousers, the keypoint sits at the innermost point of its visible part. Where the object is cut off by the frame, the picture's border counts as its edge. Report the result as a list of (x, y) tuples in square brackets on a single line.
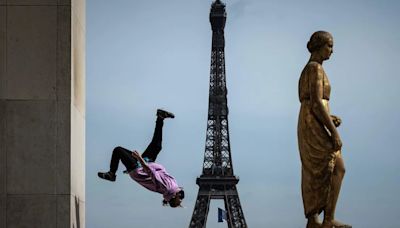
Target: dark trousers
[(151, 152)]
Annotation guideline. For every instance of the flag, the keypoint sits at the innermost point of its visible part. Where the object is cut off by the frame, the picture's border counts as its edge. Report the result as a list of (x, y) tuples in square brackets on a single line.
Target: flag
[(221, 215)]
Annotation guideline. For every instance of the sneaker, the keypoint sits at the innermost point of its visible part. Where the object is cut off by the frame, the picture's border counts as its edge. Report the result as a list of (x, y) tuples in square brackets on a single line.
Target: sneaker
[(164, 114), (107, 176)]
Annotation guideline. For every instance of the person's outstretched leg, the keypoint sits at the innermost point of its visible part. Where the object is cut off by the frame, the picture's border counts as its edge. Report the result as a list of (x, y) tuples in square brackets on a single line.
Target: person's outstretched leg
[(119, 153), (155, 147)]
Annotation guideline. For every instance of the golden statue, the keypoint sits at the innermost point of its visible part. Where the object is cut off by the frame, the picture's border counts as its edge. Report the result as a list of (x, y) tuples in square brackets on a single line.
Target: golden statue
[(319, 142)]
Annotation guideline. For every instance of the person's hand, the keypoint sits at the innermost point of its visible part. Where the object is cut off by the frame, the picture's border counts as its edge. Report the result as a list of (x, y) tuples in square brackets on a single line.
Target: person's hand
[(337, 142), (135, 154), (336, 120)]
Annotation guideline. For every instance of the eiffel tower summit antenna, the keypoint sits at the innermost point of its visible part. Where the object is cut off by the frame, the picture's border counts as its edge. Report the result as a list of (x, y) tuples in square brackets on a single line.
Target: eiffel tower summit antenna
[(217, 180)]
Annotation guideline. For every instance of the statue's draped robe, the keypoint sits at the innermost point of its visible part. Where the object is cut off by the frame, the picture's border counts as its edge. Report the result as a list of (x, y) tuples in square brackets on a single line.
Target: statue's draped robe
[(315, 145)]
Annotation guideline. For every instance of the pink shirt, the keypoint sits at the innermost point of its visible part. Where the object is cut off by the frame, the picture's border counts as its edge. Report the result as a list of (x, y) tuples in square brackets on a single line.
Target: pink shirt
[(158, 180)]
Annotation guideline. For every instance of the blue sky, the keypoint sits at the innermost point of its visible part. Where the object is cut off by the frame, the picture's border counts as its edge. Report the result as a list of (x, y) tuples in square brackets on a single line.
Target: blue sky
[(142, 55)]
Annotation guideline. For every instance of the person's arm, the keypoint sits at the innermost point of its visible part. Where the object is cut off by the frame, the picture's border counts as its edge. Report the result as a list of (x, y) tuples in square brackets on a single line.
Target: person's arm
[(320, 111), (137, 155)]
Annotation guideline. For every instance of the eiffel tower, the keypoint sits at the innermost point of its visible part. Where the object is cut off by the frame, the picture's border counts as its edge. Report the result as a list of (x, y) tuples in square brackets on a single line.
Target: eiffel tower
[(217, 180)]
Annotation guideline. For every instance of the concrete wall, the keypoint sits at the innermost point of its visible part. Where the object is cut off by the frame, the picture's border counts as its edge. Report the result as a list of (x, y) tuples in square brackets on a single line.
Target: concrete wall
[(42, 113)]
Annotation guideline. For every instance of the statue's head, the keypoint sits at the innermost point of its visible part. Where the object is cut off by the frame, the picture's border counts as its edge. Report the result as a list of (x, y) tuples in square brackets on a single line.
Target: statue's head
[(321, 43)]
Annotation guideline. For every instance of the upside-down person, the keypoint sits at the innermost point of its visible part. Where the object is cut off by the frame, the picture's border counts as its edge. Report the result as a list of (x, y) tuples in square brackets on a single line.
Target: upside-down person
[(143, 168)]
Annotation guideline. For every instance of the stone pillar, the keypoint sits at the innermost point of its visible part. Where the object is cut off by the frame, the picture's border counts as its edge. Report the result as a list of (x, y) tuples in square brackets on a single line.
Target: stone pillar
[(42, 113)]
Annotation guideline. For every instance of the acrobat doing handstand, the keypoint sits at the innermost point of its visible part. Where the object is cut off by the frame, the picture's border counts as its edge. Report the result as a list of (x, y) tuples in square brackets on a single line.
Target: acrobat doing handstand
[(143, 168)]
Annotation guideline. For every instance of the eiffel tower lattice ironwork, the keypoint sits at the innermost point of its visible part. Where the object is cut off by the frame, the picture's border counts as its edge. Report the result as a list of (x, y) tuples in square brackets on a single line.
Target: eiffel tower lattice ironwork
[(217, 180)]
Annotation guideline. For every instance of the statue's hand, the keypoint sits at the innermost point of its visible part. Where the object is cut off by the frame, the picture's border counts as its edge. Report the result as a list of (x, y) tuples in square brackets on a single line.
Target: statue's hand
[(336, 120), (337, 142)]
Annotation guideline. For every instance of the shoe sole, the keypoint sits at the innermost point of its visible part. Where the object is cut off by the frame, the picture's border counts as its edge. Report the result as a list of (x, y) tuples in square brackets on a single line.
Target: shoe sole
[(165, 114), (101, 177)]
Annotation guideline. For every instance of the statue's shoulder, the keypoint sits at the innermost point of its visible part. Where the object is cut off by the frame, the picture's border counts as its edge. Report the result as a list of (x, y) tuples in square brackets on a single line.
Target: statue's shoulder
[(312, 65), (314, 70)]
